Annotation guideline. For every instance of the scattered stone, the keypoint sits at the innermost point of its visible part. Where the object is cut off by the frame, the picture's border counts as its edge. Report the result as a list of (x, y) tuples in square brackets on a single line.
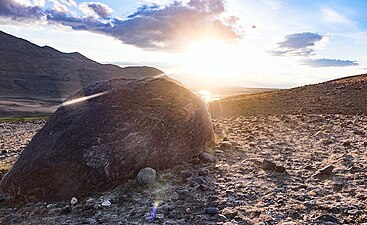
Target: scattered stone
[(3, 152), (225, 139), (268, 165), (309, 167), (212, 210), (354, 212), (326, 171), (225, 145), (73, 201), (51, 206), (185, 174), (146, 176), (66, 209), (347, 143), (217, 151), (218, 130), (207, 158), (106, 203), (200, 180), (234, 184), (279, 169), (204, 187), (203, 172), (221, 218), (328, 218)]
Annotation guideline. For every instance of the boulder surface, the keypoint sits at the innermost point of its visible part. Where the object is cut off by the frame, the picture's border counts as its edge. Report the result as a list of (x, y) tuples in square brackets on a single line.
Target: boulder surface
[(105, 134)]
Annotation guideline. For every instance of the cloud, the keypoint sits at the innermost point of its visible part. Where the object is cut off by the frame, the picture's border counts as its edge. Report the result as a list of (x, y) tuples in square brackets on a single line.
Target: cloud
[(70, 3), (329, 62), (96, 9), (170, 27), (298, 44), (332, 16), (151, 27), (40, 3), (58, 6), (19, 10)]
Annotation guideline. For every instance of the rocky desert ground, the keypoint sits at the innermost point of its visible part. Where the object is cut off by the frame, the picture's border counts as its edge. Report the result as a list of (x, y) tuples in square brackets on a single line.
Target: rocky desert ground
[(284, 169)]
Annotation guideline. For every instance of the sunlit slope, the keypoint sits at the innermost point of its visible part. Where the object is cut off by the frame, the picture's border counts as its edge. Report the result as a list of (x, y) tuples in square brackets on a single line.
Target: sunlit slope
[(342, 96)]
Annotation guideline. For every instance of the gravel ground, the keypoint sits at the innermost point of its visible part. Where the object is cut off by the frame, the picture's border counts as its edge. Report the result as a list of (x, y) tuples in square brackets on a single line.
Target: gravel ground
[(290, 169)]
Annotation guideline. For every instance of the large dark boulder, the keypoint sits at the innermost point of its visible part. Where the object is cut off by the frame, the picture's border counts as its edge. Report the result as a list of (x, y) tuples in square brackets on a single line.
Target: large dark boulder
[(95, 144)]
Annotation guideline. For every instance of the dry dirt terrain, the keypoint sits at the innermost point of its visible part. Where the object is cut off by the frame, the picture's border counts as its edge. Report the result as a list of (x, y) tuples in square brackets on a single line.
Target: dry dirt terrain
[(285, 169), (341, 96)]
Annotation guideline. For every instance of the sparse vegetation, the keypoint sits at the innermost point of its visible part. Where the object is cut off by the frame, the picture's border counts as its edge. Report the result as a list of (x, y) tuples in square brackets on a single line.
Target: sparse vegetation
[(22, 119), (5, 167)]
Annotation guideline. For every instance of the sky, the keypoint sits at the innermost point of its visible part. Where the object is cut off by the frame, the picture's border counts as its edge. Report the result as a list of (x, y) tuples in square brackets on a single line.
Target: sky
[(263, 43)]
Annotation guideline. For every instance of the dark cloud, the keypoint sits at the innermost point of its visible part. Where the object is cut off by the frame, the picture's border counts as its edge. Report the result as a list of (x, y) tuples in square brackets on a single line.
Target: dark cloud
[(329, 62), (96, 8), (77, 23), (18, 11), (153, 27), (299, 44), (150, 27)]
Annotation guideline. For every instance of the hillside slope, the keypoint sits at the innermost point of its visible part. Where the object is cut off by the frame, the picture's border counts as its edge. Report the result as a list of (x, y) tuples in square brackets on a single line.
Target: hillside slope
[(41, 77), (341, 96)]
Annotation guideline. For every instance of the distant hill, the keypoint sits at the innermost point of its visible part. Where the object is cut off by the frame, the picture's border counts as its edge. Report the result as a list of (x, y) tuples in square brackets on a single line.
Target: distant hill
[(341, 96), (34, 79)]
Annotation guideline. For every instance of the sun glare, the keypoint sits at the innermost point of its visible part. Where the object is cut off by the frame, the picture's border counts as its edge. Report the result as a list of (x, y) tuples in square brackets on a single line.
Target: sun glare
[(208, 57), (208, 96), (214, 58)]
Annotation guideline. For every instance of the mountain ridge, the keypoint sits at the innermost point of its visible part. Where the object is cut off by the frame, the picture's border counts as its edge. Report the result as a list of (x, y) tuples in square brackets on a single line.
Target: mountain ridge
[(31, 75)]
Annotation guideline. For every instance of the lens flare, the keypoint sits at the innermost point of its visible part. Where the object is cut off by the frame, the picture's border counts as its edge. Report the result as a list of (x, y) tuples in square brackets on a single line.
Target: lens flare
[(154, 210), (81, 99)]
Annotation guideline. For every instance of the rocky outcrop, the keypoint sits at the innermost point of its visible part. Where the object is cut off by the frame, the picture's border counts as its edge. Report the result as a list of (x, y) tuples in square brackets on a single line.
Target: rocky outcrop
[(105, 133)]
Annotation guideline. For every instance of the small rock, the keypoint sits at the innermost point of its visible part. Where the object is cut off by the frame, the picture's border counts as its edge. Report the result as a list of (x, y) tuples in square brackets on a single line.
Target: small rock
[(183, 194), (268, 165), (73, 201), (353, 212), (279, 169), (146, 176), (207, 158), (217, 151), (326, 171), (204, 187), (51, 206), (200, 180), (225, 145), (106, 203), (218, 130), (221, 217), (89, 201), (185, 174), (347, 143), (66, 209), (3, 152), (212, 210), (308, 167), (328, 218), (203, 172)]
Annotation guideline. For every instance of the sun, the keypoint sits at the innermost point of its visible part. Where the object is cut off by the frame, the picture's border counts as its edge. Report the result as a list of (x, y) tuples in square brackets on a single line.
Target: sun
[(211, 58)]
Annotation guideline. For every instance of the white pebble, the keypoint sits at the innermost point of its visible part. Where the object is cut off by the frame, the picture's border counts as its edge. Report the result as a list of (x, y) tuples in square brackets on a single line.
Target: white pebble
[(73, 201), (106, 203)]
